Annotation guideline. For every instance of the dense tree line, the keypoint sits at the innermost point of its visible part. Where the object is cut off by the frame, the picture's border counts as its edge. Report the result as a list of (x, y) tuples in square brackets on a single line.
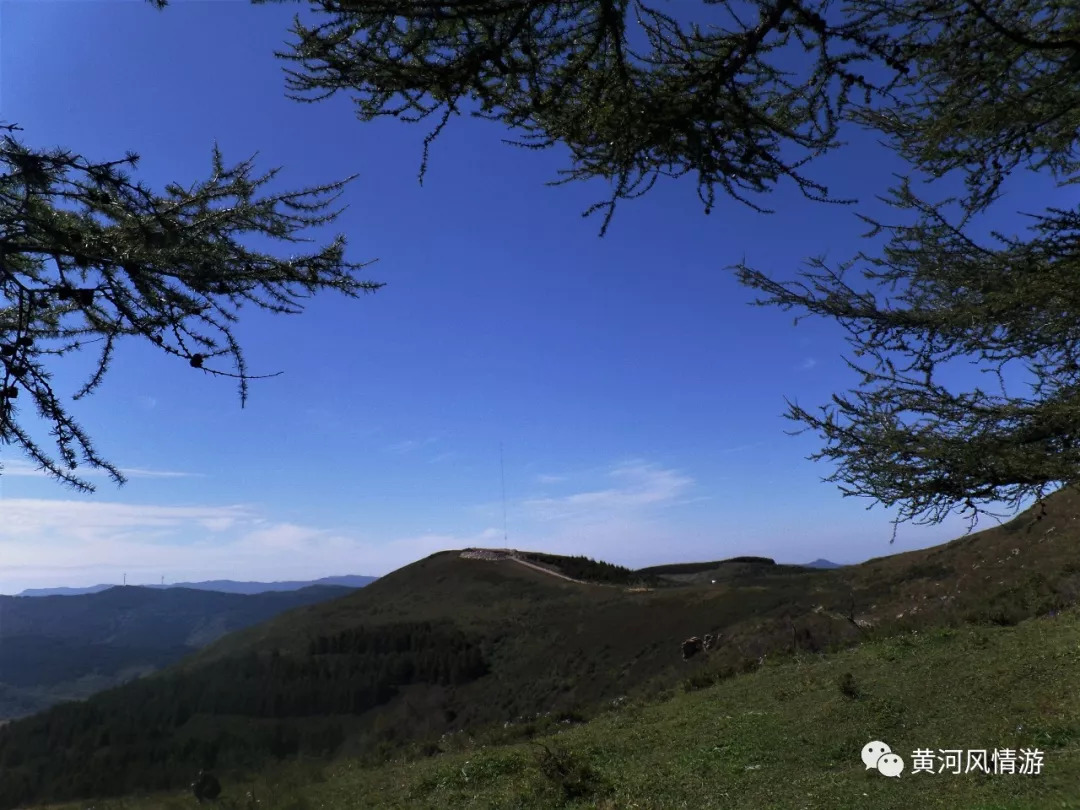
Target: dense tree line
[(588, 569), (698, 567), (240, 712), (37, 661)]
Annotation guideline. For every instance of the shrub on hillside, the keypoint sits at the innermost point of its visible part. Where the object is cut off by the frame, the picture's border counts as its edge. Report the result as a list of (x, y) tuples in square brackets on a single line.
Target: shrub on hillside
[(1035, 596), (569, 773), (848, 686), (699, 680), (929, 570)]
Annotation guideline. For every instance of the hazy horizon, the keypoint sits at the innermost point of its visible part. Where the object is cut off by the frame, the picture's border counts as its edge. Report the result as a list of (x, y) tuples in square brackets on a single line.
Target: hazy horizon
[(175, 583), (637, 397)]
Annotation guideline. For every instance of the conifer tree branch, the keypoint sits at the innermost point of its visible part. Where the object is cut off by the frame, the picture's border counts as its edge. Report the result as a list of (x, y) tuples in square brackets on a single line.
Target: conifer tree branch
[(88, 255)]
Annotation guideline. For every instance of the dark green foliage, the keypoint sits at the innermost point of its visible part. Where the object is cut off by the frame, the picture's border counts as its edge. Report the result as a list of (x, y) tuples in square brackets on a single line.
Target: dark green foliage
[(61, 647), (636, 94), (569, 773), (34, 661), (696, 568), (411, 653), (154, 733), (756, 560), (701, 680), (994, 88), (1036, 595), (1055, 735), (849, 688), (589, 570), (680, 100), (168, 268), (807, 640), (931, 570), (568, 716)]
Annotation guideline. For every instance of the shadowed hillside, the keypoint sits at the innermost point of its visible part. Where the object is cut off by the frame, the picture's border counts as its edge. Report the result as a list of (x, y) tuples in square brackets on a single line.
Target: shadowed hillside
[(458, 644), (711, 573), (788, 735), (703, 567), (55, 648)]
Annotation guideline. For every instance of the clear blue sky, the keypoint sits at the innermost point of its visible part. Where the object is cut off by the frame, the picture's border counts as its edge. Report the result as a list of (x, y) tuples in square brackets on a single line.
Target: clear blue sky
[(638, 396)]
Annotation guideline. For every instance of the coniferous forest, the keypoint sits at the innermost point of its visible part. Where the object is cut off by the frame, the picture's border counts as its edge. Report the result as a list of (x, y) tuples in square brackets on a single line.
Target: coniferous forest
[(588, 569), (238, 714)]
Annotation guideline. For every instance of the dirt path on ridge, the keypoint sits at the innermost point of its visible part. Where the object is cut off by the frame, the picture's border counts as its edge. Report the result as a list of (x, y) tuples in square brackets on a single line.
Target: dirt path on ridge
[(543, 570)]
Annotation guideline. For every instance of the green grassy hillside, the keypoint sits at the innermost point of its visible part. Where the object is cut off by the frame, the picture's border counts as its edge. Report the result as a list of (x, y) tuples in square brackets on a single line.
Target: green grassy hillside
[(786, 736), (465, 647)]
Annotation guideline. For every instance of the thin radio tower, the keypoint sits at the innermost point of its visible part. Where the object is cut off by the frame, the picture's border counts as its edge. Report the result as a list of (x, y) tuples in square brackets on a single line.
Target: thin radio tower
[(502, 476)]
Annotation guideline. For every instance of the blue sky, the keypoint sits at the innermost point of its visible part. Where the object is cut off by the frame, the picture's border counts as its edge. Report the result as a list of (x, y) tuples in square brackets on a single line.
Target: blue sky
[(636, 393)]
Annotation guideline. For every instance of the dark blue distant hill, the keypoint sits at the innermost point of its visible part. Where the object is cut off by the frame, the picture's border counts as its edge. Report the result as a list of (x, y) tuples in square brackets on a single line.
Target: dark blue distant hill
[(68, 647), (219, 585), (820, 563)]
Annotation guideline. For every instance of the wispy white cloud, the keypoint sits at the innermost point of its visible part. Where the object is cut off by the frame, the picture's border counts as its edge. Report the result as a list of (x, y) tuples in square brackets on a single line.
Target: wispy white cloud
[(808, 363), (89, 521), (640, 486), (697, 499), (741, 447), (45, 542), (632, 516), (132, 472), (550, 479), (441, 457), (218, 524), (147, 402), (23, 469), (81, 542), (632, 541), (411, 445)]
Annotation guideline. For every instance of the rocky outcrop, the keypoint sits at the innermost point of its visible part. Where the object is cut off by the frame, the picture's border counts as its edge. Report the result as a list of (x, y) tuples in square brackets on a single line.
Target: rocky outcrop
[(691, 647), (488, 554)]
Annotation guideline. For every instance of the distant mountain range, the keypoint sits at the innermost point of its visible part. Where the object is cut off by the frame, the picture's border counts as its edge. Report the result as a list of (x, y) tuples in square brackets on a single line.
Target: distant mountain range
[(67, 647), (474, 645), (472, 641), (220, 585)]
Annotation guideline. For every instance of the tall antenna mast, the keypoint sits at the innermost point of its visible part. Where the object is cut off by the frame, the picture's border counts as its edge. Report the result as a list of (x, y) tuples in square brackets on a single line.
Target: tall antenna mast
[(502, 475)]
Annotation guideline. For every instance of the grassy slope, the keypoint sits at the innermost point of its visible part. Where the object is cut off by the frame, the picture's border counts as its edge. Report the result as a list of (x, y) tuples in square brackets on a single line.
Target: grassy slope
[(782, 737), (556, 645)]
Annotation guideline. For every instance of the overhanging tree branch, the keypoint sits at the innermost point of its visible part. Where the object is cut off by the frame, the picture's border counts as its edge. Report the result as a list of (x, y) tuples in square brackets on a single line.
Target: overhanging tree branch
[(89, 256), (712, 104)]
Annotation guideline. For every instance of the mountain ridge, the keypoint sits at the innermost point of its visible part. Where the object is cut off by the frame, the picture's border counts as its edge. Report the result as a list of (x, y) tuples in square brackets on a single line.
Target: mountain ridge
[(821, 562), (218, 585), (461, 641)]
